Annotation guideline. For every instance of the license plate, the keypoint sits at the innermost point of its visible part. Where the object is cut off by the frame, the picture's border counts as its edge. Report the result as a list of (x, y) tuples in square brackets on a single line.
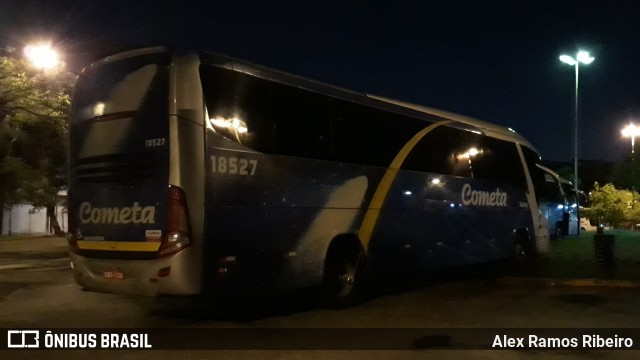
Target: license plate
[(114, 274)]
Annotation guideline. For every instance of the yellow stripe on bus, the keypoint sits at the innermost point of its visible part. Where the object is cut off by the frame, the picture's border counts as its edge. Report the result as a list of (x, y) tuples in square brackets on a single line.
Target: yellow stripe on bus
[(118, 245), (371, 217)]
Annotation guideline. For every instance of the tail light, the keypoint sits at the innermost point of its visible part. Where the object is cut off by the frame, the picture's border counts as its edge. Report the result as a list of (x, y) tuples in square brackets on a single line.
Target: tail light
[(178, 235)]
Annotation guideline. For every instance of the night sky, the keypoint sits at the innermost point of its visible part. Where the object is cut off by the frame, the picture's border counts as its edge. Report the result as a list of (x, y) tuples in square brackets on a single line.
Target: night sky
[(493, 60)]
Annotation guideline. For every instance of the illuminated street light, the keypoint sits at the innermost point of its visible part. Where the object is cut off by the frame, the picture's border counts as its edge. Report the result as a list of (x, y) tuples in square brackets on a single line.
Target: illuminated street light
[(585, 58), (631, 131), (41, 56)]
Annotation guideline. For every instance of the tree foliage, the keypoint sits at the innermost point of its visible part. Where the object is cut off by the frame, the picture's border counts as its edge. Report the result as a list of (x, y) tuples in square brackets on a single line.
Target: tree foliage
[(613, 206), (34, 108)]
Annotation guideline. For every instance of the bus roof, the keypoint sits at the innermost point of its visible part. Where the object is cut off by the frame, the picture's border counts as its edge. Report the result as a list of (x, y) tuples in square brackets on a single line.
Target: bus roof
[(398, 106), (487, 128), (555, 174)]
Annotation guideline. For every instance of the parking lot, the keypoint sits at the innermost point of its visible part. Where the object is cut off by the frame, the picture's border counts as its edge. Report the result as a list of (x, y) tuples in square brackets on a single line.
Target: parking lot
[(437, 319)]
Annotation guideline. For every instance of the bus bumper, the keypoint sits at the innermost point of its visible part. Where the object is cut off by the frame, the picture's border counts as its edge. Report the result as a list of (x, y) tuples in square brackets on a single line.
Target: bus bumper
[(177, 274)]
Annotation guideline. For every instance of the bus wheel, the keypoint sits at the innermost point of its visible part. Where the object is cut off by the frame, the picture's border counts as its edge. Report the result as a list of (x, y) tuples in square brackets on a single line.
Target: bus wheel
[(343, 276), (520, 251), (559, 233)]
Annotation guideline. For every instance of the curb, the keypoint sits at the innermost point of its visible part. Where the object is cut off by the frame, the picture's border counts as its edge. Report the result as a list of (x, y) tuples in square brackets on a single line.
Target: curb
[(571, 282)]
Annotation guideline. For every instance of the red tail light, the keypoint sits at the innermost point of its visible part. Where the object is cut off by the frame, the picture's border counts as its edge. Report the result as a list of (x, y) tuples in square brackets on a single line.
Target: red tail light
[(178, 235)]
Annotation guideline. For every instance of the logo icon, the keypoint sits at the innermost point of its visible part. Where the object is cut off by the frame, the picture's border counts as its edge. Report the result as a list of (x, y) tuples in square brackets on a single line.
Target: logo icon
[(20, 339)]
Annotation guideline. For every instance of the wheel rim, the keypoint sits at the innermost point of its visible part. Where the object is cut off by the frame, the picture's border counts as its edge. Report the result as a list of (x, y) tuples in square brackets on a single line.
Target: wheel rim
[(520, 252), (346, 279)]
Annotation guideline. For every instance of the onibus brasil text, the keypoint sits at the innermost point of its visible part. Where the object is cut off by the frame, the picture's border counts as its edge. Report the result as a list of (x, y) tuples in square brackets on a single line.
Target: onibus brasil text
[(52, 340)]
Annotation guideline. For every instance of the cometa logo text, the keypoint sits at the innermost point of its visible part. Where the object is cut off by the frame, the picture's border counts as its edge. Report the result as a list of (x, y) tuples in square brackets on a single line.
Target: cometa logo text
[(135, 214), (483, 198)]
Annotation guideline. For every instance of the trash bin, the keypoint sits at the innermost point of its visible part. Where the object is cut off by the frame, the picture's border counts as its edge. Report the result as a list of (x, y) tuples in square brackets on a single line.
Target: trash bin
[(604, 248)]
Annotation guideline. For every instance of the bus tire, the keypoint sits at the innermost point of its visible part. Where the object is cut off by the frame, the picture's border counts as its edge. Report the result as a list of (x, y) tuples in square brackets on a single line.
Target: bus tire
[(343, 275), (521, 249), (559, 234), (519, 252)]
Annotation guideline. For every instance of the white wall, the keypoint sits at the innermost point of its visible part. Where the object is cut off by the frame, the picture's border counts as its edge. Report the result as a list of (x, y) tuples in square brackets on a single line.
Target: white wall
[(25, 219)]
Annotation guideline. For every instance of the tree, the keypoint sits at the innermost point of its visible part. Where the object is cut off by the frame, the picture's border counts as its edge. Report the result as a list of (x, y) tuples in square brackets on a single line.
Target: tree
[(612, 206), (34, 108)]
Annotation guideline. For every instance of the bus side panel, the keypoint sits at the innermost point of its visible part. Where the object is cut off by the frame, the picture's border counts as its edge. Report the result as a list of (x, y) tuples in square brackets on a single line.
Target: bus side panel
[(269, 219), (269, 227), (427, 225)]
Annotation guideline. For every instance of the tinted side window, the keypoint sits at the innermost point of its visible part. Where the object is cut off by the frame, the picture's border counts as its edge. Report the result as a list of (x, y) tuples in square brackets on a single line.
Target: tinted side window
[(546, 188), (531, 158), (400, 129), (444, 150), (549, 189), (450, 151), (498, 160), (302, 123), (238, 106), (359, 133)]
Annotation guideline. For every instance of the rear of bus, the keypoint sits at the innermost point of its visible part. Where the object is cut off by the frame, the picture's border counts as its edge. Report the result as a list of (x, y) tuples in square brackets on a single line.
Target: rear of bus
[(129, 222)]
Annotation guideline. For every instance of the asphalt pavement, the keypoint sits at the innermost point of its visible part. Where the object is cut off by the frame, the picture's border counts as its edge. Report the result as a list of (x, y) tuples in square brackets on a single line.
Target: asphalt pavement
[(579, 266)]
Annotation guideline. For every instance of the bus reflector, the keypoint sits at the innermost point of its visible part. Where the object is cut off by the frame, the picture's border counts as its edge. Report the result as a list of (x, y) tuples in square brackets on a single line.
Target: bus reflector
[(178, 234), (164, 272), (227, 259)]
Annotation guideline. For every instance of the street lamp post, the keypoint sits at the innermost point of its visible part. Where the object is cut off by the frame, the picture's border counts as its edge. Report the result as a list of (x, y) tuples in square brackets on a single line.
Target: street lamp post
[(581, 57), (631, 131)]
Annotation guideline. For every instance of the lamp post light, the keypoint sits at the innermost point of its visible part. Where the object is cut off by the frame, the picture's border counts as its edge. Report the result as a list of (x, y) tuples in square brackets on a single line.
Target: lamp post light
[(585, 58), (42, 56), (631, 131)]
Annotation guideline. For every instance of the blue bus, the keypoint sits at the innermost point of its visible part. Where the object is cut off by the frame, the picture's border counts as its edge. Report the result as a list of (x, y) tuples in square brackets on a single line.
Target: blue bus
[(196, 173), (558, 202), (572, 208)]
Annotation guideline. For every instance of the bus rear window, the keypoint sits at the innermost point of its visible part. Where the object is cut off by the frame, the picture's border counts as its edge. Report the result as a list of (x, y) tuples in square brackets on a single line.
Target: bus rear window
[(121, 86)]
